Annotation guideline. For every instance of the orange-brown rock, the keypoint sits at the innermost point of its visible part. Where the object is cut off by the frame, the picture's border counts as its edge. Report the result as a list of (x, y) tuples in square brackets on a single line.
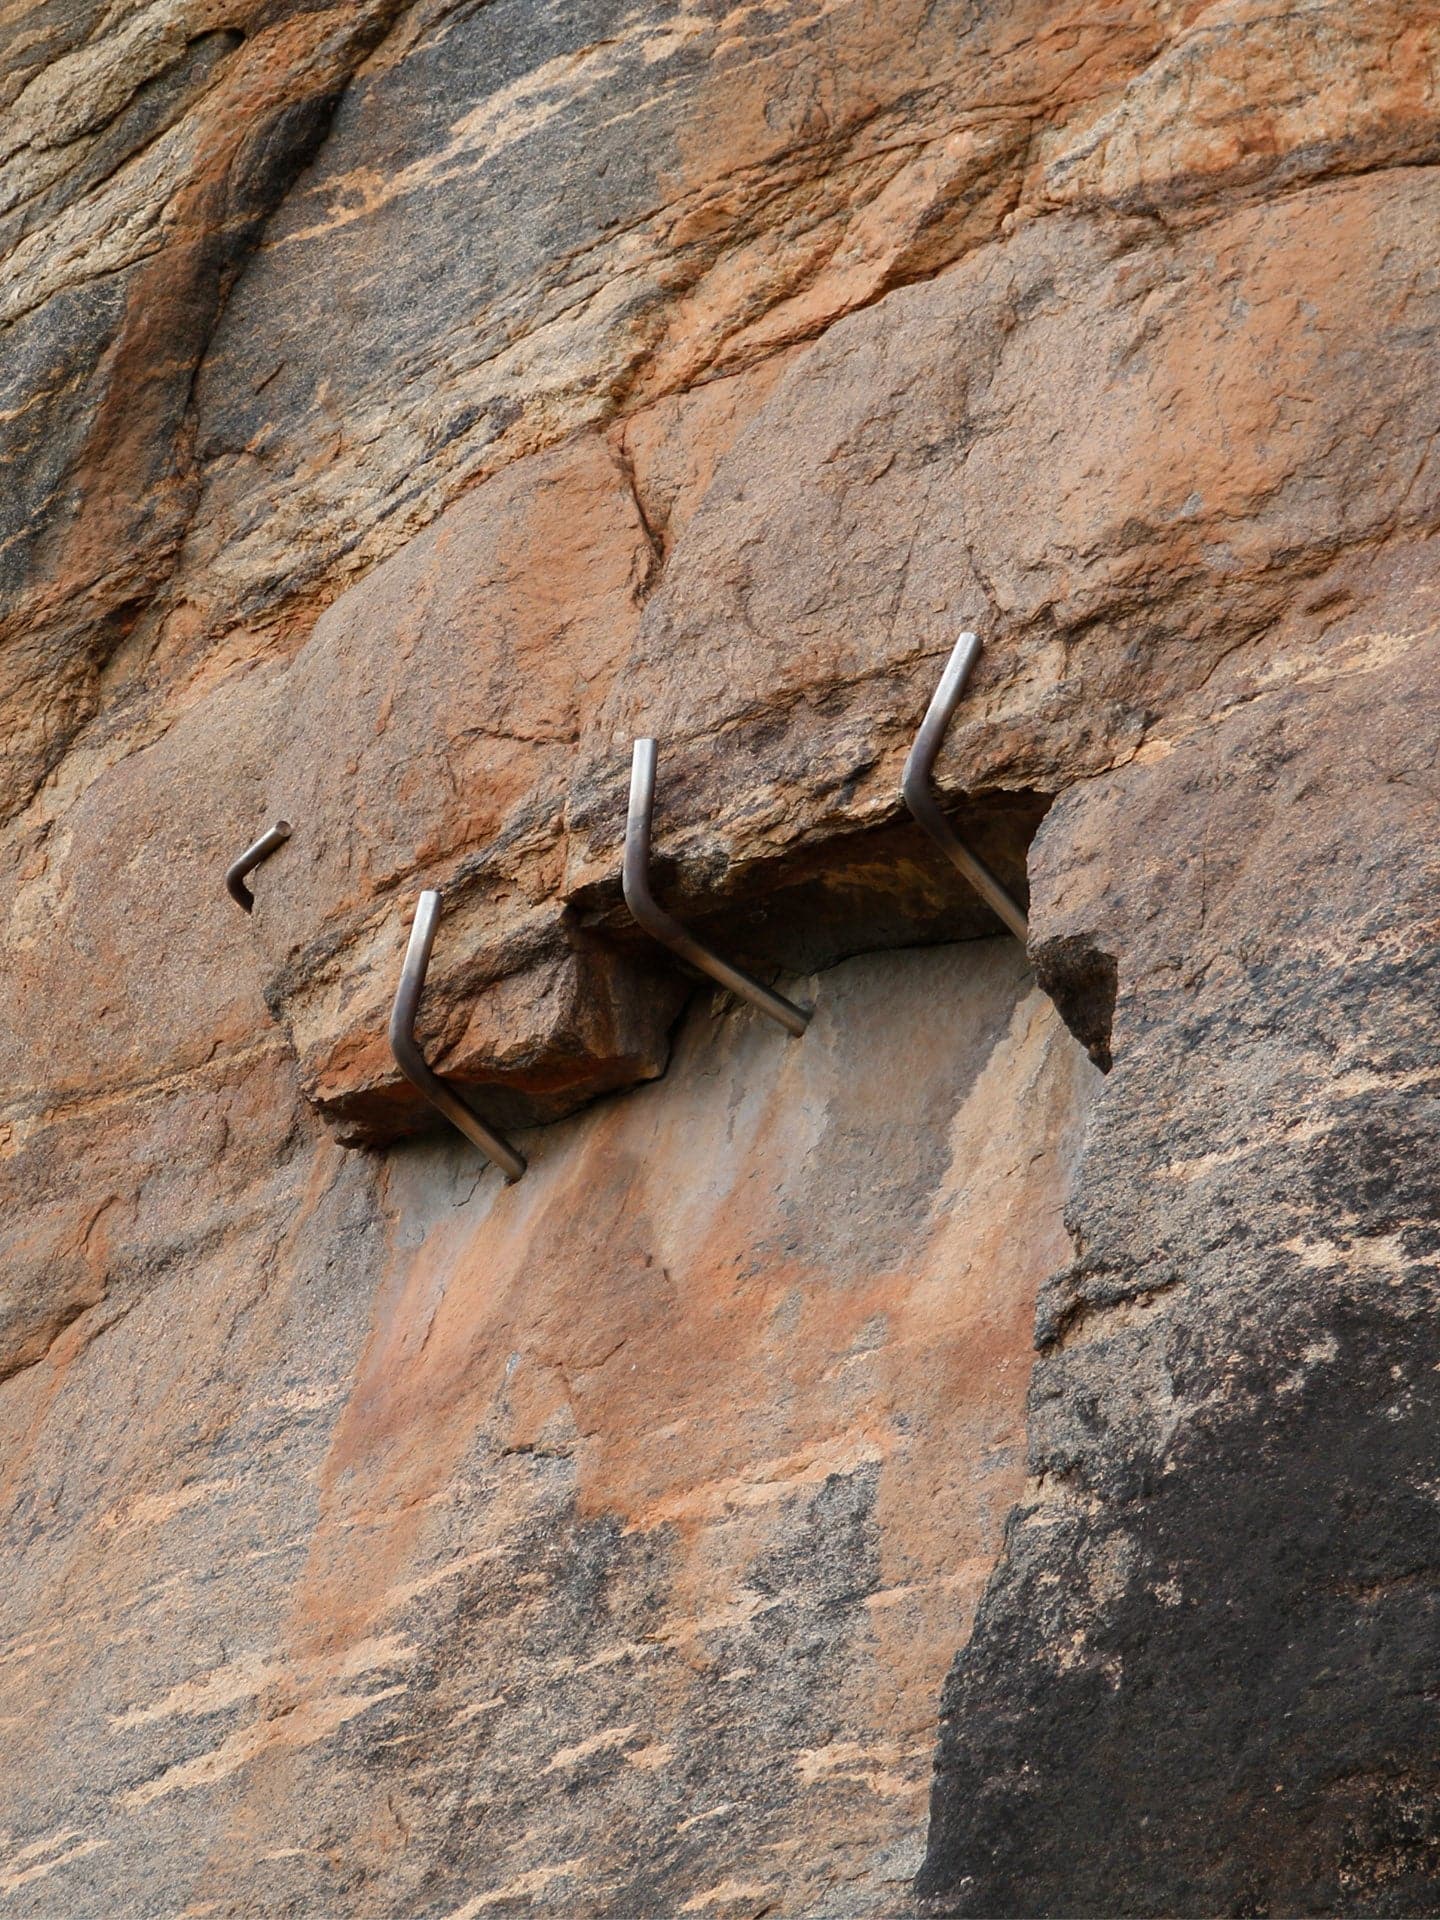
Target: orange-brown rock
[(446, 1498), (402, 408)]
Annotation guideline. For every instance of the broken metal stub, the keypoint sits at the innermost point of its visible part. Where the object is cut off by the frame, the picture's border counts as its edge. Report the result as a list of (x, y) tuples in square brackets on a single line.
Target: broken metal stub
[(662, 926), (920, 796), (250, 859), (412, 1062)]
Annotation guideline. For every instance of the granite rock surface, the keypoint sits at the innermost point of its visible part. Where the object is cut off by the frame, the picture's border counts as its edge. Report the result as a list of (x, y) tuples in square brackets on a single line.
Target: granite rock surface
[(403, 407)]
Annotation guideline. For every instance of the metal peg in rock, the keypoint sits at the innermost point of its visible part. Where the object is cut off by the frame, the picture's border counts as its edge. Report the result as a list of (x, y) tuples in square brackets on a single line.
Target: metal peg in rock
[(920, 796), (412, 1062), (662, 926), (237, 870)]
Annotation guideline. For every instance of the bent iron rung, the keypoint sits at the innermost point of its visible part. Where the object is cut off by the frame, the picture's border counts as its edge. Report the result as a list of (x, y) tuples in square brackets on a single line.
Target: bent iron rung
[(412, 1062), (663, 926), (259, 850), (920, 796)]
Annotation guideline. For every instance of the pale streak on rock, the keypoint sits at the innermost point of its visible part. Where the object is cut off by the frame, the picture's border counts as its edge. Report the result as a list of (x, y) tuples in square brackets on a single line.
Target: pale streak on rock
[(600, 1742), (873, 1767), (523, 1887), (767, 1482), (727, 1891), (244, 1679), (23, 1867), (312, 1721), (102, 234)]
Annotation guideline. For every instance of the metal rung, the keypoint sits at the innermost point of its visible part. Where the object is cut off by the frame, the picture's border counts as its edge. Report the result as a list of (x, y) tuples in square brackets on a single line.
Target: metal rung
[(663, 926), (412, 1062), (920, 797), (250, 859)]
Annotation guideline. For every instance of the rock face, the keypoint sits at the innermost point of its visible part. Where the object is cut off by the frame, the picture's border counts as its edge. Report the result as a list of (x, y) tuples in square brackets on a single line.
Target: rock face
[(405, 406), (594, 1541)]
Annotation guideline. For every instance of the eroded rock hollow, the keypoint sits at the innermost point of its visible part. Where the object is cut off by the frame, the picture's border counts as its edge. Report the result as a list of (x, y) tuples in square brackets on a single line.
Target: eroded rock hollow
[(978, 1458)]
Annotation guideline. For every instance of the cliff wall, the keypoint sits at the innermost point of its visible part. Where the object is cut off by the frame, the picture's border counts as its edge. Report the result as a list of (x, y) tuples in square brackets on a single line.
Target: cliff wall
[(403, 407)]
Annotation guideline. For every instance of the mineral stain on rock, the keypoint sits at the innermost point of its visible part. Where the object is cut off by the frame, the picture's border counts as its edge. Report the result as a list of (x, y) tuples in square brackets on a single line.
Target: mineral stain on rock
[(901, 1471)]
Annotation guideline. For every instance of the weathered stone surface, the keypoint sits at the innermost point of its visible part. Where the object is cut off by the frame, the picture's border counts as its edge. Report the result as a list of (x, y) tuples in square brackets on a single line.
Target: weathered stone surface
[(1085, 440), (403, 407), (1222, 1706), (1249, 95), (108, 1198), (142, 153), (596, 1539), (628, 201)]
